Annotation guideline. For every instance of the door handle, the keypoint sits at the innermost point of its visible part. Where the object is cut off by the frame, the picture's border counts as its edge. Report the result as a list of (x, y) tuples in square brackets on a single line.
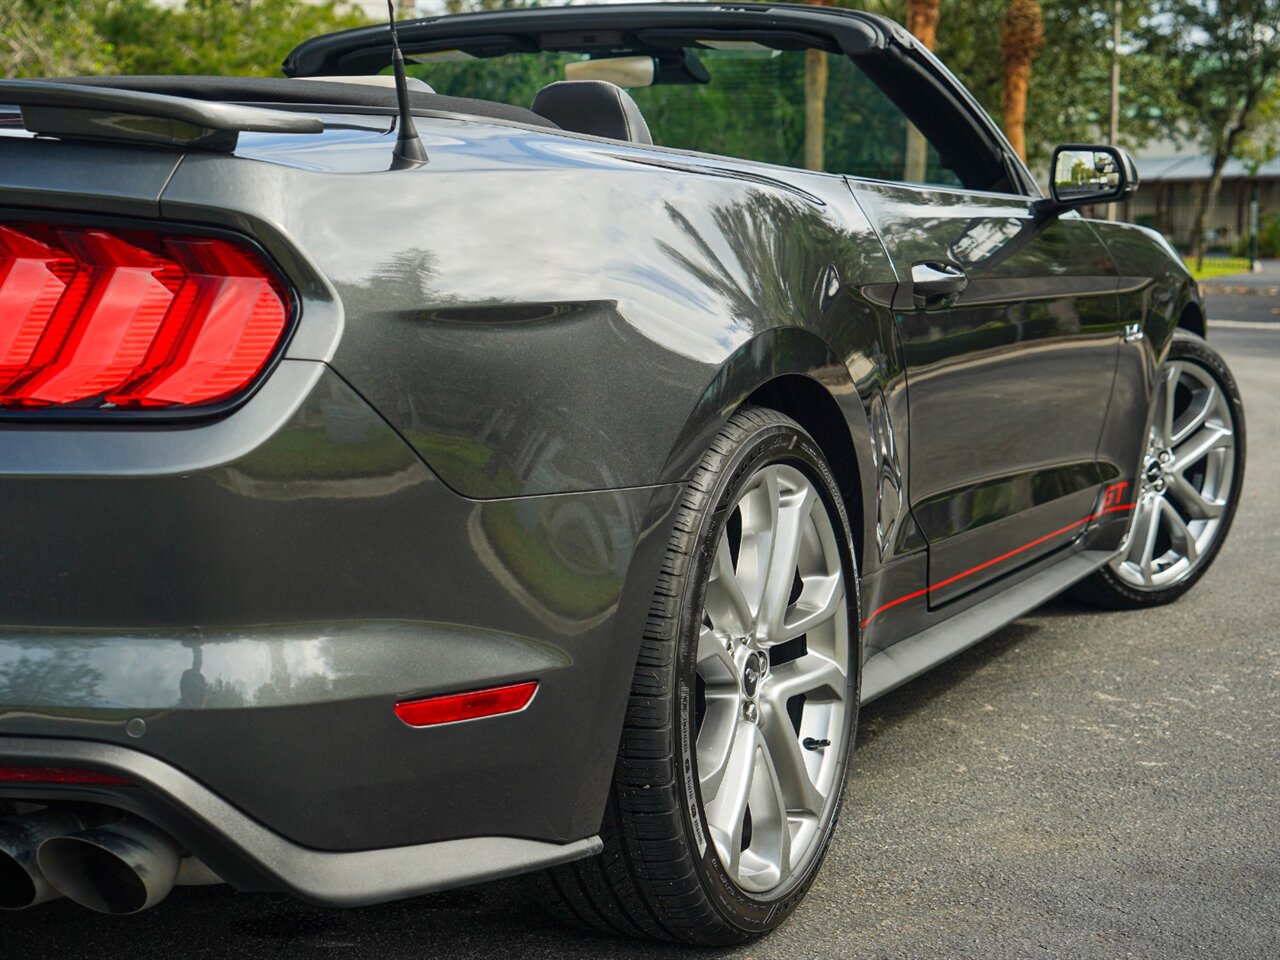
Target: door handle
[(936, 282)]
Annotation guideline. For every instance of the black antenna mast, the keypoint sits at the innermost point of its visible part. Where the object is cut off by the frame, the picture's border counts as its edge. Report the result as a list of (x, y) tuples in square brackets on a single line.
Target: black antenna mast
[(409, 151)]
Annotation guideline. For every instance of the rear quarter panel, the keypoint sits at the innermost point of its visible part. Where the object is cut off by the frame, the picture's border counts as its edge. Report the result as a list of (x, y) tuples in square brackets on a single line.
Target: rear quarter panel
[(540, 314), (535, 316)]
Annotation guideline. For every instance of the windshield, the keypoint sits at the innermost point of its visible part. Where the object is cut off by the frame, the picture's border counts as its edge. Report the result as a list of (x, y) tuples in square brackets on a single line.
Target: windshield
[(753, 106)]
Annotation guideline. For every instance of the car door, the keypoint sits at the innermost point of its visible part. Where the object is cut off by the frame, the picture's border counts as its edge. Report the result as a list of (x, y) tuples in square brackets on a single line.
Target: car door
[(1010, 336)]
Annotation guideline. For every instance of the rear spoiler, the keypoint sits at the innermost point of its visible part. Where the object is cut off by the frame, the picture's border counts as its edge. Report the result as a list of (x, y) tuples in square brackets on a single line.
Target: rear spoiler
[(70, 111)]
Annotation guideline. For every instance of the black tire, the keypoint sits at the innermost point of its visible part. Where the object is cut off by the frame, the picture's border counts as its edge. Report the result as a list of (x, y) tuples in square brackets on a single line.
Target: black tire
[(651, 880), (1107, 588)]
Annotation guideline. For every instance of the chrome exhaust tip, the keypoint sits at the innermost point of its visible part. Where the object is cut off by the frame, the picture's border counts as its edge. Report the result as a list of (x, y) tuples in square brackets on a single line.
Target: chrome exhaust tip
[(120, 868), (22, 882)]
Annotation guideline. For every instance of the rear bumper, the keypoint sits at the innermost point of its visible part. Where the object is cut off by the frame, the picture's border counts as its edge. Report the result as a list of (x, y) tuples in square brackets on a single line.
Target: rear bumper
[(252, 857), (261, 590)]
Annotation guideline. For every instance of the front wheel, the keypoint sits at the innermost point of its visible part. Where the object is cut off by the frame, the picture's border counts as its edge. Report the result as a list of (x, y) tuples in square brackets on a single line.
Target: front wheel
[(742, 711), (1189, 483)]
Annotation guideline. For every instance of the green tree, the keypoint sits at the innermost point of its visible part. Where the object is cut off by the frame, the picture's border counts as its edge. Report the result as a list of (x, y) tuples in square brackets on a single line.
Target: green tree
[(1068, 93), (217, 37), (1222, 60), (41, 39)]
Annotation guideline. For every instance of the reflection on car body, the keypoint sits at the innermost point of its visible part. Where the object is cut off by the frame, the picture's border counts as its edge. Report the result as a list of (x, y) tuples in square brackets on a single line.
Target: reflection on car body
[(551, 499)]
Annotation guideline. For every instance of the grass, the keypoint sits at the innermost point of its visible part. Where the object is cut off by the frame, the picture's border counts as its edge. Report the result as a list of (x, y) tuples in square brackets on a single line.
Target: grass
[(1217, 266)]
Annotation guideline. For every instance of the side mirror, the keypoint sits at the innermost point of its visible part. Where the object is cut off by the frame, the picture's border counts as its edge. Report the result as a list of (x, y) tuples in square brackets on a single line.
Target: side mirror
[(1081, 175)]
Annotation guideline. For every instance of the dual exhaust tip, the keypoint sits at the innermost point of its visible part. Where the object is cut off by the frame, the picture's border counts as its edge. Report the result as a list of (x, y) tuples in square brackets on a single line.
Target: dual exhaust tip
[(117, 868)]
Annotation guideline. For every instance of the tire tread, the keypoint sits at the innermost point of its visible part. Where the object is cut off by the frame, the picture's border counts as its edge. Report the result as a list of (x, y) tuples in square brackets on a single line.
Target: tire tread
[(646, 883)]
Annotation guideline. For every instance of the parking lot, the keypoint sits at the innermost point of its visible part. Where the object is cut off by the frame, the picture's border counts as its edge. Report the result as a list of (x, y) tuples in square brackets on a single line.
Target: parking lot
[(1082, 784)]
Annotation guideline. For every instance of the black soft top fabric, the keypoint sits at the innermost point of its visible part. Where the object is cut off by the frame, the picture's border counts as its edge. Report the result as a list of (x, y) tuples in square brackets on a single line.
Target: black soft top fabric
[(281, 90)]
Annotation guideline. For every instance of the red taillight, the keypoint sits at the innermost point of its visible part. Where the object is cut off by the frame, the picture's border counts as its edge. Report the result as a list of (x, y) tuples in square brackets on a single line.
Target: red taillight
[(102, 318), (61, 775), (466, 706)]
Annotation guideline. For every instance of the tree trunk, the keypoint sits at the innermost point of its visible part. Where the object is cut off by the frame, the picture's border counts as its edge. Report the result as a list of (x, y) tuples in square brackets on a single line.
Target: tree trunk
[(1017, 77), (1223, 149), (922, 21), (815, 103), (1021, 36), (1208, 201), (815, 108), (1117, 11)]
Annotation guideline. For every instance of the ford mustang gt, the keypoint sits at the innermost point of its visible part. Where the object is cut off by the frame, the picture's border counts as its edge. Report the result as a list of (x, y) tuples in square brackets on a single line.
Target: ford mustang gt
[(522, 447)]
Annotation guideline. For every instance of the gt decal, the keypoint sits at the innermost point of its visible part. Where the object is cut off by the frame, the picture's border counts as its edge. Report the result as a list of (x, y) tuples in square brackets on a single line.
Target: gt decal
[(1113, 494)]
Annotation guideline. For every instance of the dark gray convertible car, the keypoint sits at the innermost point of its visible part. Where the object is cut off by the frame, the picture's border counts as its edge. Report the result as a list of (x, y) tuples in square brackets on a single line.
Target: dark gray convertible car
[(409, 479)]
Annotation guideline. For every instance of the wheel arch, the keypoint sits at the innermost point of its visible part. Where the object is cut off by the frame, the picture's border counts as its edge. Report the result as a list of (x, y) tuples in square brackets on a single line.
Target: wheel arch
[(808, 403), (788, 369), (793, 371), (1192, 318)]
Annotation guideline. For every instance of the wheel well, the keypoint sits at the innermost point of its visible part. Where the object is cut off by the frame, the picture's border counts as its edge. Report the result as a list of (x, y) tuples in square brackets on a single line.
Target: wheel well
[(810, 405), (1192, 319)]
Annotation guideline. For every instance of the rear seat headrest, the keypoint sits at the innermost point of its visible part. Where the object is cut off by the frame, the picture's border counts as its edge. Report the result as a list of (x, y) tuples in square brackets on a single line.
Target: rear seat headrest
[(596, 107)]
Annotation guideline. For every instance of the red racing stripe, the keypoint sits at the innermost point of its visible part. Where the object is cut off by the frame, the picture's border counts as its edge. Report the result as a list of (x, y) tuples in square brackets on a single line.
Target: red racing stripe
[(994, 560)]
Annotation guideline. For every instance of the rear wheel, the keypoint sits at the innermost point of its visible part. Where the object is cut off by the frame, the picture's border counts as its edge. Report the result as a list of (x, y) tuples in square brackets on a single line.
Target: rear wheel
[(1188, 486), (743, 707)]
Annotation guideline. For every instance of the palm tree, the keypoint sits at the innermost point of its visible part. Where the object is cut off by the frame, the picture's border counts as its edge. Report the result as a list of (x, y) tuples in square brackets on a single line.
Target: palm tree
[(922, 21), (1021, 36), (815, 84), (815, 102)]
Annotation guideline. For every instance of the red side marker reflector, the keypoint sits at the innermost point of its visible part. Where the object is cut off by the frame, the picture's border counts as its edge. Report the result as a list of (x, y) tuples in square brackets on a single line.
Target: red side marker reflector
[(64, 775), (466, 706)]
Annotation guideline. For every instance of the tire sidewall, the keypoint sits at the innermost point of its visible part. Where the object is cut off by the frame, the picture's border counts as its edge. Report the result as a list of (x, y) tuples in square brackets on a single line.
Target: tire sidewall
[(779, 442)]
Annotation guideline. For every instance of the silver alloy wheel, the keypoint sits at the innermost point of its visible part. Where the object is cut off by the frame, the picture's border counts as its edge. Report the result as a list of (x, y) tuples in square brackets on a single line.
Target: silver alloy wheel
[(1185, 480), (773, 667)]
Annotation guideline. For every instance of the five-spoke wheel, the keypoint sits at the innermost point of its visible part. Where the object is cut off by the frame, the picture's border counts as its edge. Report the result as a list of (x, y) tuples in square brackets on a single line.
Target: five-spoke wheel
[(772, 675), (743, 705), (1188, 482), (1185, 480)]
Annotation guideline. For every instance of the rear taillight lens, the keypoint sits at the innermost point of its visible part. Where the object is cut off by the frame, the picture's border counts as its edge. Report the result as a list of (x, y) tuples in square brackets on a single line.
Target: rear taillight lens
[(96, 318)]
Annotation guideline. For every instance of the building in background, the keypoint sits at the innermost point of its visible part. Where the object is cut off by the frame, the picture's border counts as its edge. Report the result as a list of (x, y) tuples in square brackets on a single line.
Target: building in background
[(1172, 176)]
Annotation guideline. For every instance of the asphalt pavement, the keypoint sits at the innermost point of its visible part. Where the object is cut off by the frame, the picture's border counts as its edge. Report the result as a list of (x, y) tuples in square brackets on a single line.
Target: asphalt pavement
[(1245, 297), (1080, 785)]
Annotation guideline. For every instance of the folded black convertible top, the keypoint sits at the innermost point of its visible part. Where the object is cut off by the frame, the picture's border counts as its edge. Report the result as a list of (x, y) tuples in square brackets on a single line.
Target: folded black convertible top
[(282, 90)]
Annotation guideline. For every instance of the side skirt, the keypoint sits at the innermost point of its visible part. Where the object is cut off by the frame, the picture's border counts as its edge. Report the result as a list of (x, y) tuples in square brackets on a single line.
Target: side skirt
[(907, 659)]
